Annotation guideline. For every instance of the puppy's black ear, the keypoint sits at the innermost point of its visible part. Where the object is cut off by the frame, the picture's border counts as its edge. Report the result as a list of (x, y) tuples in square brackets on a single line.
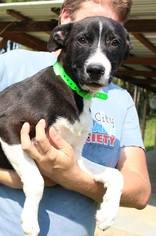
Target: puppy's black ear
[(128, 46), (59, 36)]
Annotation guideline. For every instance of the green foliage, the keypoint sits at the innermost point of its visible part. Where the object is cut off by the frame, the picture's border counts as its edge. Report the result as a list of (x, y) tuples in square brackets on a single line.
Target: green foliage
[(150, 132)]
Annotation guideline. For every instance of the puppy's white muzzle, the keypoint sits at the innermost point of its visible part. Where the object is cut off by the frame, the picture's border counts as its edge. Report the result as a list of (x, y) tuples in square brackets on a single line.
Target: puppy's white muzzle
[(98, 69)]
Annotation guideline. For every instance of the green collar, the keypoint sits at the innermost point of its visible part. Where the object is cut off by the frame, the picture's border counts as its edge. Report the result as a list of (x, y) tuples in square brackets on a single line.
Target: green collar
[(58, 69)]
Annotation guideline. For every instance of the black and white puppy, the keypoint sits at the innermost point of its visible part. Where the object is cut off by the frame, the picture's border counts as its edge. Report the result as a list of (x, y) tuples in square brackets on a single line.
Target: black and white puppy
[(91, 52)]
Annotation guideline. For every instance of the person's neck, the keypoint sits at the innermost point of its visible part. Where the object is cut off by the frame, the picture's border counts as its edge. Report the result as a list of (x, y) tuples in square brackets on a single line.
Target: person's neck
[(57, 53)]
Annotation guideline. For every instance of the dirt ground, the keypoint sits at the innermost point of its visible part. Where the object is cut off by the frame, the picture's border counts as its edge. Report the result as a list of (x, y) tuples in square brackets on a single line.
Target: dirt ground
[(114, 232)]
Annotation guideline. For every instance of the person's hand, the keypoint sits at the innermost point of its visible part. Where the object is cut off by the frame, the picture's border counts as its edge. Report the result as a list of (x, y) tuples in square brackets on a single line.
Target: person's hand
[(57, 161), (53, 155)]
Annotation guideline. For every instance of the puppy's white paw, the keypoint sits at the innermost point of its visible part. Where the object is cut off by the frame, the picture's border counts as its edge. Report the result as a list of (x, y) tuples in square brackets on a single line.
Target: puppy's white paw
[(30, 224), (113, 181), (105, 218), (108, 211)]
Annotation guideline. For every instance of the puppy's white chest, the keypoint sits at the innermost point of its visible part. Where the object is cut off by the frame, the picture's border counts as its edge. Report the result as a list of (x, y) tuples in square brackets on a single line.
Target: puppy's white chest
[(75, 134)]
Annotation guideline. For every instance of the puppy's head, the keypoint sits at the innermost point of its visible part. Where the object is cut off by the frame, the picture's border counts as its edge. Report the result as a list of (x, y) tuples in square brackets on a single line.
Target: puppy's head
[(91, 50)]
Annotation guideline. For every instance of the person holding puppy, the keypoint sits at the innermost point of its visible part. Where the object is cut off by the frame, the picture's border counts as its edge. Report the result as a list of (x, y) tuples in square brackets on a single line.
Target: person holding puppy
[(70, 199)]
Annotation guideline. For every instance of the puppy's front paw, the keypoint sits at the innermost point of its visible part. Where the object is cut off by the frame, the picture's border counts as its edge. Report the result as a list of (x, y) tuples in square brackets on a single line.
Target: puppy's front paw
[(113, 181), (105, 218), (108, 211)]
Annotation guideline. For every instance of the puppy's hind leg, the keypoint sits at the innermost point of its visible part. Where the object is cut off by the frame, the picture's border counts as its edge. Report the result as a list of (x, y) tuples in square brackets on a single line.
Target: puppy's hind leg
[(33, 186), (113, 182)]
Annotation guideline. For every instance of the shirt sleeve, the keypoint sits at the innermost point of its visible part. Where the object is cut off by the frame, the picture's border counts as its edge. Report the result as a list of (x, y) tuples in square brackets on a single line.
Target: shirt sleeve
[(131, 134), (2, 79), (19, 64)]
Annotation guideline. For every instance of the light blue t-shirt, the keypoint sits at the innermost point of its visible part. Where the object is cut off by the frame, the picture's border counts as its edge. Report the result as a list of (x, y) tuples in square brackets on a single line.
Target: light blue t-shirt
[(115, 125)]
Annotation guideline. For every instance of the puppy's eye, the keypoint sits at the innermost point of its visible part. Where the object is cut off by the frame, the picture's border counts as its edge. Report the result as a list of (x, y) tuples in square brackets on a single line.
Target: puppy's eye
[(82, 40), (115, 42)]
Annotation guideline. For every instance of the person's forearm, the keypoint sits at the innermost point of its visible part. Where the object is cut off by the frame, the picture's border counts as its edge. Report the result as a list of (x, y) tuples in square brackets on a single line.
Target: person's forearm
[(76, 180), (87, 186), (135, 193), (132, 196), (10, 178), (137, 187)]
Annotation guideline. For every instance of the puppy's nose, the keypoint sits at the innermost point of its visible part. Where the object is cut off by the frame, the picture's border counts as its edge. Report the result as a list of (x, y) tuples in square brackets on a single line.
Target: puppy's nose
[(95, 71)]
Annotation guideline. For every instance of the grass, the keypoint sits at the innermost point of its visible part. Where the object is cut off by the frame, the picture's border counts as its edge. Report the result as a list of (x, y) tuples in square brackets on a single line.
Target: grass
[(150, 132)]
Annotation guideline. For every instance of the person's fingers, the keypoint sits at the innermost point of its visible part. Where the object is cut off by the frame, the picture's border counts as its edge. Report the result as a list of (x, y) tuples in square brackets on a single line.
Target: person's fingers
[(51, 148), (57, 141), (27, 144), (41, 138), (43, 144), (25, 138)]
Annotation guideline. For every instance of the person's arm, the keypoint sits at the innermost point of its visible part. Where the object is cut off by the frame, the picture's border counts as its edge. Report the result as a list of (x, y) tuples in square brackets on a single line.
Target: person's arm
[(137, 187), (10, 178), (57, 161)]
